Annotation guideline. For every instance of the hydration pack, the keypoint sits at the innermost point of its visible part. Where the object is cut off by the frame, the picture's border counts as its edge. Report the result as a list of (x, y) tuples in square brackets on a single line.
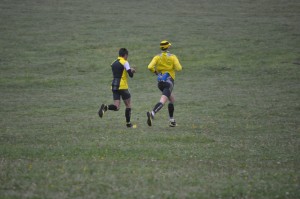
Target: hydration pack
[(163, 77)]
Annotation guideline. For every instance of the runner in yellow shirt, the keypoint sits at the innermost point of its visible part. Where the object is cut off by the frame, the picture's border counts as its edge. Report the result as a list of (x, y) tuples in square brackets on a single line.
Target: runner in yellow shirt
[(164, 66)]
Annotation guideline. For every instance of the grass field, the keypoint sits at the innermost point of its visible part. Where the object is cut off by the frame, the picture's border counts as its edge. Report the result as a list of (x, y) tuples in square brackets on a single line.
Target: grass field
[(237, 109)]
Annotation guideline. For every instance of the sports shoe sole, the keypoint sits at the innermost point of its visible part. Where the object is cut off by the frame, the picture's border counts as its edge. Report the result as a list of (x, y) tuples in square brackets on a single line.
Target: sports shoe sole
[(133, 126), (101, 111), (172, 125), (149, 119)]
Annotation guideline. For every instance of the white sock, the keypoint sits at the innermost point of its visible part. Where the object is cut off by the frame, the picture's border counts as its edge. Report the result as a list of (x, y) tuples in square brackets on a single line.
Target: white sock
[(153, 113)]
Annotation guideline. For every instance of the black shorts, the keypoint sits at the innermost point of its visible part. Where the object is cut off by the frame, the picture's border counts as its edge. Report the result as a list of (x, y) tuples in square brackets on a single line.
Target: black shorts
[(118, 93), (166, 87)]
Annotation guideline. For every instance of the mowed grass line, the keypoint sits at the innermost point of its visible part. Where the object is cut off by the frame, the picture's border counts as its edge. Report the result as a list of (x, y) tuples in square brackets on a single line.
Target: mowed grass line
[(237, 100)]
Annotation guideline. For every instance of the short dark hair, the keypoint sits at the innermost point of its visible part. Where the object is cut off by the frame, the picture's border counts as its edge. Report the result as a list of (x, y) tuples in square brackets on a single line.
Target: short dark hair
[(123, 52)]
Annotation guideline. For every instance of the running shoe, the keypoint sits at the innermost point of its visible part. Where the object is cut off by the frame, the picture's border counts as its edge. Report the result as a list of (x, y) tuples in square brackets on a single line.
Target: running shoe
[(149, 118), (102, 110), (172, 123)]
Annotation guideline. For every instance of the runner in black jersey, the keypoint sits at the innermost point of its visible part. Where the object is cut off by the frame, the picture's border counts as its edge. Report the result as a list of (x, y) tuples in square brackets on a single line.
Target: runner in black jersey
[(120, 69)]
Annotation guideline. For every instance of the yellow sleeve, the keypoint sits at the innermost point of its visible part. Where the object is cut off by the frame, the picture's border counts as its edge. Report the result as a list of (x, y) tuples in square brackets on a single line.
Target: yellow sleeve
[(177, 65), (152, 64)]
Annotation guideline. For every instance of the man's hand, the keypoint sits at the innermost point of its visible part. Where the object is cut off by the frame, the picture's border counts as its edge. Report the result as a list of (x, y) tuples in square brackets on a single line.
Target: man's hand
[(132, 70)]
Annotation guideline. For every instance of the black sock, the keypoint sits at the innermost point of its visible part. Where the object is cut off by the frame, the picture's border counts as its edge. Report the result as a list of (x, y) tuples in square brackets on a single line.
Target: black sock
[(171, 109), (112, 107), (127, 114), (157, 107)]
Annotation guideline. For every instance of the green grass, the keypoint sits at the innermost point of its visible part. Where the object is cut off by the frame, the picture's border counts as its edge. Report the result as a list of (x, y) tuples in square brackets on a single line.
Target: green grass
[(237, 100)]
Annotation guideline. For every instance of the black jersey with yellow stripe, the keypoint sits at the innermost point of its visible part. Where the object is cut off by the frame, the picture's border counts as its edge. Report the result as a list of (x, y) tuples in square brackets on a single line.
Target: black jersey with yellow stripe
[(120, 74)]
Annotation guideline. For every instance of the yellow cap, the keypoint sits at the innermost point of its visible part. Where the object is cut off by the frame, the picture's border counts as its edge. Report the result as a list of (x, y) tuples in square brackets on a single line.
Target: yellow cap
[(164, 44)]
